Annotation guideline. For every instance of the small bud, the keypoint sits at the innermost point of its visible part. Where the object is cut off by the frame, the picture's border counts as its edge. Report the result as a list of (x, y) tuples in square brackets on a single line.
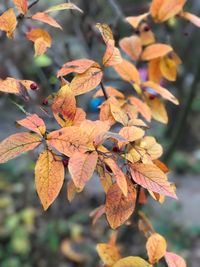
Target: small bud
[(65, 162), (147, 28), (115, 149), (34, 86)]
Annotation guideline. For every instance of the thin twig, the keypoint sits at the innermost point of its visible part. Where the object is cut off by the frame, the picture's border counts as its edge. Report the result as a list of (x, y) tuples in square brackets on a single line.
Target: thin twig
[(104, 91)]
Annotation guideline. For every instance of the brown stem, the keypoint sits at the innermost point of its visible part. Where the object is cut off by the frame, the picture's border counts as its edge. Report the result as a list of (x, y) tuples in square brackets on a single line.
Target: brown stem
[(104, 91)]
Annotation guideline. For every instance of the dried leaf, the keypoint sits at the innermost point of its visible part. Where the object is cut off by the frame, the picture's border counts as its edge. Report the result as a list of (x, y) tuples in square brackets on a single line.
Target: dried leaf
[(131, 133), (158, 110), (141, 107), (112, 55), (17, 144), (21, 5), (105, 31), (63, 7), (156, 247), (110, 91), (43, 17), (71, 190), (49, 177), (155, 50), (33, 123), (132, 46), (108, 253), (8, 22)]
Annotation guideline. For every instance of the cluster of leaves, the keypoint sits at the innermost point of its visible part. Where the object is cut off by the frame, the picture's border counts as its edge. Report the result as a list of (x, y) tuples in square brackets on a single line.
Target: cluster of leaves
[(127, 162)]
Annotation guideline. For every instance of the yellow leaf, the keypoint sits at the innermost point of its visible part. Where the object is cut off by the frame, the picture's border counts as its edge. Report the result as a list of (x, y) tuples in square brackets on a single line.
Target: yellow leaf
[(153, 149), (132, 262), (21, 5), (63, 7), (190, 17), (81, 167), (155, 50), (112, 55), (87, 81), (168, 68), (108, 253), (17, 144), (43, 17), (132, 46), (135, 20), (118, 207), (105, 178), (158, 110), (49, 177), (105, 31), (8, 22), (118, 114), (131, 133), (141, 107), (156, 247), (174, 260)]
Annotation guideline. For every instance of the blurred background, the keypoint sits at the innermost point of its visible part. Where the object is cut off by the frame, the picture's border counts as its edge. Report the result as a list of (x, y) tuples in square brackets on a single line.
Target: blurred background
[(63, 236)]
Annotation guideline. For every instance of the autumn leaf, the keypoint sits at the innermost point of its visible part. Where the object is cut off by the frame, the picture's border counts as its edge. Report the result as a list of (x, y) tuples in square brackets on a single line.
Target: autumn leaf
[(132, 261), (134, 21), (146, 35), (69, 140), (63, 7), (158, 110), (43, 17), (78, 66), (49, 177), (128, 72), (97, 213), (64, 106), (81, 168), (17, 144), (168, 68), (132, 46), (154, 70), (108, 253), (141, 107), (118, 207), (87, 81), (153, 149), (118, 114), (155, 50), (110, 91), (105, 31), (71, 190), (112, 55), (8, 22), (161, 91), (105, 177), (21, 5), (131, 133), (156, 247), (191, 17), (152, 178), (174, 260), (41, 38), (33, 123)]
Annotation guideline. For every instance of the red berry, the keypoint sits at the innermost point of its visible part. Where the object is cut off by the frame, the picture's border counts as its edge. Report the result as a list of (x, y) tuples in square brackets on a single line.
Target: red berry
[(152, 97), (65, 162), (116, 149), (147, 28), (45, 102), (34, 86)]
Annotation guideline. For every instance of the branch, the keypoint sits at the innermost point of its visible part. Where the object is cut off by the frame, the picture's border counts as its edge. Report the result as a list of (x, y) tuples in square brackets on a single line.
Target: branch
[(104, 91)]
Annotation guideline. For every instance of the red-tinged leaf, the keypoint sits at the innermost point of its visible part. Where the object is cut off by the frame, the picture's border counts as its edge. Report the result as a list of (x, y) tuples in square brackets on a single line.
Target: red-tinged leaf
[(132, 262), (174, 260), (43, 17), (49, 177), (128, 72), (69, 140), (33, 123), (108, 253), (135, 20), (110, 91), (8, 22), (105, 31), (131, 133), (191, 17), (141, 107), (17, 144), (152, 178), (63, 7), (156, 247), (112, 55), (87, 81), (21, 5), (161, 91), (118, 207), (78, 66), (132, 46), (81, 168), (64, 106), (41, 38), (155, 50), (119, 175)]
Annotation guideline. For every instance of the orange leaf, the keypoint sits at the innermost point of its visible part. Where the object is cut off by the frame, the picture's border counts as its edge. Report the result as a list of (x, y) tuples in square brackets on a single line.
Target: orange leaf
[(118, 114), (108, 253), (41, 38), (118, 207), (17, 144), (79, 66), (128, 71), (174, 260), (49, 177), (33, 123), (119, 175), (156, 247), (97, 213), (141, 107), (153, 149), (105, 31), (110, 91), (154, 72), (21, 5), (132, 262), (131, 133), (8, 22), (80, 116), (191, 17), (64, 106), (135, 20), (132, 46), (43, 17), (112, 55), (87, 81), (168, 68), (158, 110), (71, 190), (69, 140), (155, 50), (151, 177), (63, 7), (146, 35), (105, 178), (161, 91), (81, 168)]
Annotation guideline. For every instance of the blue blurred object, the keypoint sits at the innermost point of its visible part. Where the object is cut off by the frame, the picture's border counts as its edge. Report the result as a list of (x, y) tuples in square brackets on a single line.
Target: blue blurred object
[(95, 103)]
